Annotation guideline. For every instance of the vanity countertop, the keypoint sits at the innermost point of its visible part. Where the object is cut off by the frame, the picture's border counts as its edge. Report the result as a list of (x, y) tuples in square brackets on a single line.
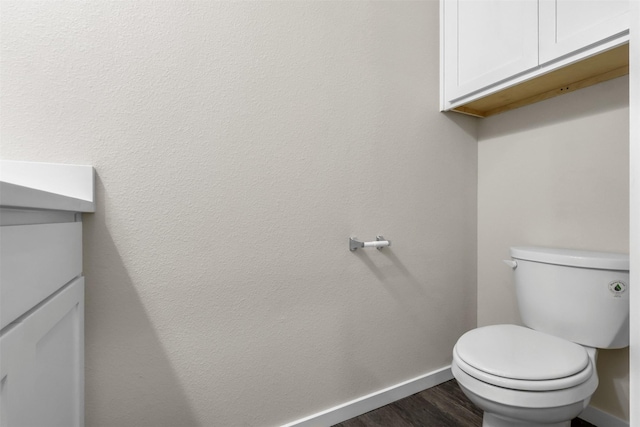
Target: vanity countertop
[(46, 186)]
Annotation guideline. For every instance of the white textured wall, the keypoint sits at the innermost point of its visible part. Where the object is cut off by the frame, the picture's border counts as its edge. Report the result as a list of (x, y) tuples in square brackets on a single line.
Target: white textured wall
[(237, 146), (556, 174)]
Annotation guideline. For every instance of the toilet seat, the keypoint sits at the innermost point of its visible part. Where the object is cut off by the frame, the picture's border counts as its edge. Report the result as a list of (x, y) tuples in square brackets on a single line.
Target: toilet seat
[(520, 358)]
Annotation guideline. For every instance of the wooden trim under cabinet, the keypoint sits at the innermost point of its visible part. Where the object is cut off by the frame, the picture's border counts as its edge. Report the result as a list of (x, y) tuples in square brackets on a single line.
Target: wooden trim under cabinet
[(587, 72)]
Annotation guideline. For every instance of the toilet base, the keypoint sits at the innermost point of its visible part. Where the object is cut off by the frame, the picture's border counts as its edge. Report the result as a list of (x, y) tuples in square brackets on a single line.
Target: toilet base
[(515, 408), (492, 420)]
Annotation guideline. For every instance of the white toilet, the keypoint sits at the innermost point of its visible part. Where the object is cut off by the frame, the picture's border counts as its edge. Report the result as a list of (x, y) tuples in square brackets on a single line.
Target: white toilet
[(572, 303)]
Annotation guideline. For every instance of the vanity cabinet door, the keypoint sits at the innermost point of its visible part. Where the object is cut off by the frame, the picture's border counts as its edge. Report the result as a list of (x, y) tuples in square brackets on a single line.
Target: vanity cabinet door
[(14, 393), (37, 260), (567, 26), (486, 41), (43, 363)]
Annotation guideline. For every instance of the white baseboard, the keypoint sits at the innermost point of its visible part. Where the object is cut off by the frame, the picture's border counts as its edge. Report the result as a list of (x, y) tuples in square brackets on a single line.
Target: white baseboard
[(600, 418), (374, 400)]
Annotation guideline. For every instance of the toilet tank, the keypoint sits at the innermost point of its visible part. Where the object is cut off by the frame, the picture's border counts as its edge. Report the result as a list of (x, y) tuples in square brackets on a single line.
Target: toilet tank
[(581, 296)]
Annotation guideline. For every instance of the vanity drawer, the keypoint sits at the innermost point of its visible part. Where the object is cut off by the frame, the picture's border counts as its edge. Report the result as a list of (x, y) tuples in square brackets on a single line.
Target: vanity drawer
[(36, 261)]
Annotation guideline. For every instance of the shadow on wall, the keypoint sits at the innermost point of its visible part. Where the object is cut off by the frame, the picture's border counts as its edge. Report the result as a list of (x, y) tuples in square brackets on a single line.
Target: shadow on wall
[(398, 281), (123, 355), (613, 374), (405, 309)]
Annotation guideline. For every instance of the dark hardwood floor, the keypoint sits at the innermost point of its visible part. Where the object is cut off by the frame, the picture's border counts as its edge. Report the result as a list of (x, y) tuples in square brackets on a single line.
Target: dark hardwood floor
[(441, 406)]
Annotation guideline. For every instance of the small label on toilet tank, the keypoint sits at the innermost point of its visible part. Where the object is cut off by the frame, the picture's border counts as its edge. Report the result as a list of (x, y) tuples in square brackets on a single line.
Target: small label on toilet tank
[(617, 288)]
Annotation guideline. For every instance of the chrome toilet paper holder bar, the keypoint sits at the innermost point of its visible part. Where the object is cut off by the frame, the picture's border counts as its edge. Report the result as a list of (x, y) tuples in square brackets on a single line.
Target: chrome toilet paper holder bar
[(380, 243)]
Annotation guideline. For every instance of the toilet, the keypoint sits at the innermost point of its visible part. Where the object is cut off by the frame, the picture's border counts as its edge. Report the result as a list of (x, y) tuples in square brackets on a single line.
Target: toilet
[(571, 303)]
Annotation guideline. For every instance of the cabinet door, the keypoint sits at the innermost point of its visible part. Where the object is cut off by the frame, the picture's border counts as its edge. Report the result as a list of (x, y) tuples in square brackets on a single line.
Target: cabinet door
[(46, 387), (14, 392), (570, 25), (486, 41), (36, 260)]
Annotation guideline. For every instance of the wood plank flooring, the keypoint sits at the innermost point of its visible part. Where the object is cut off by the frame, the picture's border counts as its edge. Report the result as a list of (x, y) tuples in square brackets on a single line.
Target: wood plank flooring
[(441, 406)]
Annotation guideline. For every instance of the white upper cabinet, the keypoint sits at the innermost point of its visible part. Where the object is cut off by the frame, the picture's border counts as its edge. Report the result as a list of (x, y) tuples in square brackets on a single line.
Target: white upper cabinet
[(486, 41), (567, 26), (492, 46)]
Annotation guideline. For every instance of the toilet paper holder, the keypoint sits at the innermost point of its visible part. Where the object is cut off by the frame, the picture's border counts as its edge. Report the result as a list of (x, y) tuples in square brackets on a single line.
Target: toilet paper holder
[(379, 243)]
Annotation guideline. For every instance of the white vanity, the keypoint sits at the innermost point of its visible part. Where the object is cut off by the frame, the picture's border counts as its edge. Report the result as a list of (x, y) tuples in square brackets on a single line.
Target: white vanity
[(42, 293)]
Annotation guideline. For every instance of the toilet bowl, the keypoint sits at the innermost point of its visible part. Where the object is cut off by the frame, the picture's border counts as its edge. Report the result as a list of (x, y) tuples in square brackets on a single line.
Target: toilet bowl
[(509, 372), (544, 373)]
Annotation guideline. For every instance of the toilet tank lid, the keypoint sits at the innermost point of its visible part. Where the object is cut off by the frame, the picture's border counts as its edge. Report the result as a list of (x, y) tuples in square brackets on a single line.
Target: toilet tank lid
[(572, 257)]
